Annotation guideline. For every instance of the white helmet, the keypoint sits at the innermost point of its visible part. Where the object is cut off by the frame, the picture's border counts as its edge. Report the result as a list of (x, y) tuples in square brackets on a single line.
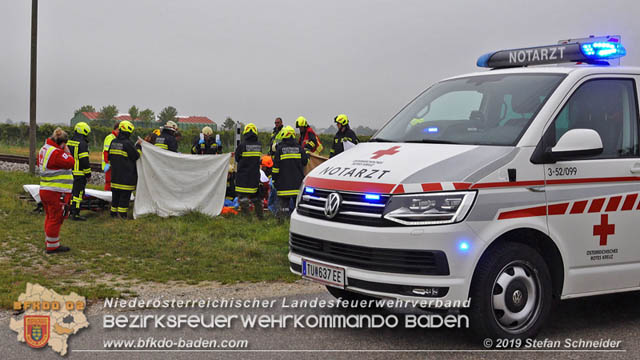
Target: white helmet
[(171, 125)]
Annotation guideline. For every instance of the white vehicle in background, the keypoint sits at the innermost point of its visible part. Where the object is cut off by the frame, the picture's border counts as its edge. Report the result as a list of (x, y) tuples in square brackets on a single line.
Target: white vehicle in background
[(514, 187)]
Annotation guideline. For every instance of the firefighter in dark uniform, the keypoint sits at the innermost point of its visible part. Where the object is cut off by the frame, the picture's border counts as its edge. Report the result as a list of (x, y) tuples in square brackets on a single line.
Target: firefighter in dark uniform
[(288, 170), (122, 157), (205, 143), (167, 138), (247, 156), (308, 138), (79, 147), (344, 134)]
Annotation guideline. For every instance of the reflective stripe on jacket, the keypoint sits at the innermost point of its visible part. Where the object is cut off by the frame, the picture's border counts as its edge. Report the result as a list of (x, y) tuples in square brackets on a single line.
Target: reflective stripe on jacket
[(105, 148), (247, 157), (288, 167), (52, 177)]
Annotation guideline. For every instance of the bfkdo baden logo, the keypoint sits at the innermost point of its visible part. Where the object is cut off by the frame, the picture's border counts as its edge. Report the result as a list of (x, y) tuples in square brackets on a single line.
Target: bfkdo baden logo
[(48, 318), (36, 330)]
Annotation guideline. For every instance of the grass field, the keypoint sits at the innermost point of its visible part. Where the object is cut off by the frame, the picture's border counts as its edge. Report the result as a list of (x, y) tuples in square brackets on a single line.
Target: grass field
[(109, 253)]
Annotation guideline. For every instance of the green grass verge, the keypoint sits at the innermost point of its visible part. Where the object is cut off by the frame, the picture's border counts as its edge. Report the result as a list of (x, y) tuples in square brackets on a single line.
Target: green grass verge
[(105, 251)]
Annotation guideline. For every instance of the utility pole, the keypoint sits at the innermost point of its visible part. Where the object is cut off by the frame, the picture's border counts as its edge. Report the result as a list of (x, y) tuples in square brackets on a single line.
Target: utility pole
[(32, 96)]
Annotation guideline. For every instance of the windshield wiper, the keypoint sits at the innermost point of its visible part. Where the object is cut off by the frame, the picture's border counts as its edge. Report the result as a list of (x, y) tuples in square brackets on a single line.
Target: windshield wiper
[(382, 140), (431, 141)]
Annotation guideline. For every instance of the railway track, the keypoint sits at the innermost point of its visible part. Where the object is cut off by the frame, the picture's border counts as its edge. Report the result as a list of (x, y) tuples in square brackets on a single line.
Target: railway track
[(25, 160)]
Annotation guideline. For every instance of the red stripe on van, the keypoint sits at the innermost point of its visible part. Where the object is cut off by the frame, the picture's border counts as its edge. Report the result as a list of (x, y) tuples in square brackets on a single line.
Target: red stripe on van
[(508, 184), (432, 187), (578, 207), (346, 185), (530, 212), (555, 182), (629, 201), (596, 205), (558, 209), (461, 186), (613, 203)]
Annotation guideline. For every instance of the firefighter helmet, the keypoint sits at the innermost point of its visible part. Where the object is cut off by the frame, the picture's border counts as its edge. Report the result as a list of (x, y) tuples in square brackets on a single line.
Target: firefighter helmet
[(82, 128), (250, 127), (207, 131), (301, 122), (288, 132), (126, 126), (342, 119), (171, 125)]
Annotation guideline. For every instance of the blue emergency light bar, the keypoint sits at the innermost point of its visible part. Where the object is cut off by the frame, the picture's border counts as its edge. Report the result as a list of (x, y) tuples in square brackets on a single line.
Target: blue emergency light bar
[(590, 50)]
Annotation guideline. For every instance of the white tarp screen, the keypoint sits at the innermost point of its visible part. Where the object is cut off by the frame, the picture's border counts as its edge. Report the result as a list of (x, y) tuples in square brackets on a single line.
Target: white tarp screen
[(34, 191), (171, 184)]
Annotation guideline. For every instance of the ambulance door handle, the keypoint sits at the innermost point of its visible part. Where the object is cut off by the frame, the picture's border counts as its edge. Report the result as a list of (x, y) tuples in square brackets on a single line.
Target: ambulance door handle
[(635, 168), (536, 188)]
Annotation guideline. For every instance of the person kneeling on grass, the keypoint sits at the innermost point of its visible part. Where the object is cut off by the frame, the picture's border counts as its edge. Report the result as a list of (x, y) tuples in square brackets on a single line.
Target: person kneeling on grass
[(122, 157), (56, 180)]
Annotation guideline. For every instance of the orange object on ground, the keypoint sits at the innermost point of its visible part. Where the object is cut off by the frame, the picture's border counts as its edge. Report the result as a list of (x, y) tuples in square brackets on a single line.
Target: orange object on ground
[(229, 210)]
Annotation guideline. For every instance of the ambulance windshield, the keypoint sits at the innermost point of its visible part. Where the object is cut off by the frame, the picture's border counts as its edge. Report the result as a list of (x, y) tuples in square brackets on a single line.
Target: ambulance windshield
[(479, 110)]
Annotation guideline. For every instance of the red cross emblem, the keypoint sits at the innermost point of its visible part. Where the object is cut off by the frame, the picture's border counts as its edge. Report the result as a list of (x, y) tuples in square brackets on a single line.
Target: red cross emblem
[(390, 151), (604, 229)]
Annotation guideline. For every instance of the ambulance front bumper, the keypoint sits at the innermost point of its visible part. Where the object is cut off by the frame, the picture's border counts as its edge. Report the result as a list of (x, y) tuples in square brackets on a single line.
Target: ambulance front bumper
[(386, 261)]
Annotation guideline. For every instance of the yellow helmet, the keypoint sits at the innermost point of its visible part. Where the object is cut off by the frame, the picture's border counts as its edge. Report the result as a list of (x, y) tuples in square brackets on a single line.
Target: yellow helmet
[(301, 122), (207, 131), (82, 128), (157, 132), (288, 132), (250, 127), (126, 126), (342, 119)]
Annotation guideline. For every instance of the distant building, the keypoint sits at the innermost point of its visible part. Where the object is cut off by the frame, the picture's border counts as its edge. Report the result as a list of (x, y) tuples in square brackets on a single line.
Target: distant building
[(186, 122), (84, 116)]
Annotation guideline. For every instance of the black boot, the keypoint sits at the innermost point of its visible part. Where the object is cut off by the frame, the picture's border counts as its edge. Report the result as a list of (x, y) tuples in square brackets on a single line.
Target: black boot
[(259, 209), (77, 217), (59, 249)]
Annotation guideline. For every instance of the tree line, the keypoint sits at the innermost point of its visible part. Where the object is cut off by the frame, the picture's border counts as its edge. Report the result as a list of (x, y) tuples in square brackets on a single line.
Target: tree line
[(18, 135)]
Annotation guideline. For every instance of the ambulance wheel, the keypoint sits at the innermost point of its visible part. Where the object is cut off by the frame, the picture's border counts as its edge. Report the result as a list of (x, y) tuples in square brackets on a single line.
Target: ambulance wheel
[(511, 293), (347, 295)]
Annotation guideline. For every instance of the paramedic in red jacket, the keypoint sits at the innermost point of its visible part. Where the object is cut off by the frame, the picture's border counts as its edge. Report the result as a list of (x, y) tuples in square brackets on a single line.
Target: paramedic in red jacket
[(56, 180)]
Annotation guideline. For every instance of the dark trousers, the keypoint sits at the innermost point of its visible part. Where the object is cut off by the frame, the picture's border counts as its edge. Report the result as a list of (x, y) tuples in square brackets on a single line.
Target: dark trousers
[(77, 191), (286, 204), (256, 199), (120, 202)]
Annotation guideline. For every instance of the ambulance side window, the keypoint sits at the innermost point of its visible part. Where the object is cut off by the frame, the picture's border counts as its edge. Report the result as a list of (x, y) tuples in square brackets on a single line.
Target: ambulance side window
[(607, 106)]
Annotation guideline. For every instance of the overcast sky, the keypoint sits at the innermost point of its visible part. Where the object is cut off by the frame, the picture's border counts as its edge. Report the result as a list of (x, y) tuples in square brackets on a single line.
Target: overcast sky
[(254, 60)]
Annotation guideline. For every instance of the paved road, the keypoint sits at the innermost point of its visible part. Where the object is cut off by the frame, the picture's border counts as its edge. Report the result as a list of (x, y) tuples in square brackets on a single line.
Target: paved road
[(615, 317)]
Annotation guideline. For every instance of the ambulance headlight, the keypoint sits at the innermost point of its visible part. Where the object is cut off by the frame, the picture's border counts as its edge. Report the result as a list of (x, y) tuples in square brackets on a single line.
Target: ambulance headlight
[(430, 208), (303, 190)]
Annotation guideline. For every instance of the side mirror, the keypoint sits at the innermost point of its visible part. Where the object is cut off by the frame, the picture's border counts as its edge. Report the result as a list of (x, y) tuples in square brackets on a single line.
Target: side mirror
[(577, 143)]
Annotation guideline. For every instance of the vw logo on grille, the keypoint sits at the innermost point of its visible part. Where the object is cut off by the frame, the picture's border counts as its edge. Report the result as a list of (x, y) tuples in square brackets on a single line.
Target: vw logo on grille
[(332, 205)]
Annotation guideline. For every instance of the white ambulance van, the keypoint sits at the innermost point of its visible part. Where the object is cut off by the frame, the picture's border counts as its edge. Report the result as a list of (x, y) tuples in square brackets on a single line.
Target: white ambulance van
[(515, 188)]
